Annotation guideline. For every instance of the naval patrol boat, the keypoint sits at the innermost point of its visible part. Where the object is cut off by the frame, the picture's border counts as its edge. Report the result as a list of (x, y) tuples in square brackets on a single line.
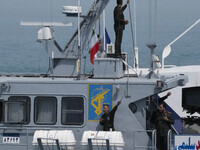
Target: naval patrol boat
[(61, 110)]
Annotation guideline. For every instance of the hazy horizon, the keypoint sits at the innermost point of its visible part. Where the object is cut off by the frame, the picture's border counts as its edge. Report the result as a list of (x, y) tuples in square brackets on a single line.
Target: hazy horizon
[(173, 17)]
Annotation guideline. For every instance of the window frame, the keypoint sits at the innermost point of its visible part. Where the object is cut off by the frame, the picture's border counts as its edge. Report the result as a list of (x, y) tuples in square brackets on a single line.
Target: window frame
[(81, 111), (26, 111), (1, 111), (34, 116)]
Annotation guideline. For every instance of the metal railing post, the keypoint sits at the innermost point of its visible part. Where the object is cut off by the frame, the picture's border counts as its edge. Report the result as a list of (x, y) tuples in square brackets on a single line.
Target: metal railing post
[(58, 145), (40, 144), (169, 139), (107, 144), (90, 144), (154, 138), (133, 140), (153, 142)]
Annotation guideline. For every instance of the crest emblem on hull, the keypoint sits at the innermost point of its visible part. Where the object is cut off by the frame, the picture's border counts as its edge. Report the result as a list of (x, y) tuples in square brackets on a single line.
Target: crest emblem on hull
[(98, 94)]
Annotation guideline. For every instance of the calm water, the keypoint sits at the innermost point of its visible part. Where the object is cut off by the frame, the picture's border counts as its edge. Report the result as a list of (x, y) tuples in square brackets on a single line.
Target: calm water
[(20, 53)]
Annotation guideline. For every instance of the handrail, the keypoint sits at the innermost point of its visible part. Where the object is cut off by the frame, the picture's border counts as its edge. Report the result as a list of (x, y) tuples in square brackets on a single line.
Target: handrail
[(154, 139), (153, 146), (174, 130), (39, 140), (91, 146), (26, 143), (128, 66), (169, 136)]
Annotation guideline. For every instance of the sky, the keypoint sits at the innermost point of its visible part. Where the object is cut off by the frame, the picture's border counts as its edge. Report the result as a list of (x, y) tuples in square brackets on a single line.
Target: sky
[(172, 18)]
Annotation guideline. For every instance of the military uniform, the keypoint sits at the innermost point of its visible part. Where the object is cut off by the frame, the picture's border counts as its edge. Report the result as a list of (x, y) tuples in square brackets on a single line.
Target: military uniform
[(162, 127), (119, 26), (108, 120)]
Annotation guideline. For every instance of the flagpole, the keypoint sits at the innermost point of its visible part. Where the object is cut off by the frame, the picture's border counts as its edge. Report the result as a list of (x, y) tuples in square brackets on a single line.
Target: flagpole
[(104, 31), (136, 65), (79, 40)]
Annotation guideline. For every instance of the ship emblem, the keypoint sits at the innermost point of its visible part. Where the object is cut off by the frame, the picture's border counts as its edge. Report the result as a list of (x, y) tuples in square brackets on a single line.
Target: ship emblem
[(97, 101)]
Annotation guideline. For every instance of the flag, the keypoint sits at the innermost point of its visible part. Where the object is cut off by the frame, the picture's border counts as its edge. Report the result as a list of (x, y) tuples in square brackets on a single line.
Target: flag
[(107, 39), (94, 46)]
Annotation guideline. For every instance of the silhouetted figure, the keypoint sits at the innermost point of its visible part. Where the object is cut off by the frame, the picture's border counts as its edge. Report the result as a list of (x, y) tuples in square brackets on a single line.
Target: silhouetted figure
[(119, 25)]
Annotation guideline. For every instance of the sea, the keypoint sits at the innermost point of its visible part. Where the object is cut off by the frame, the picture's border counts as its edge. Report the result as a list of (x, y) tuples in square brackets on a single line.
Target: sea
[(157, 21)]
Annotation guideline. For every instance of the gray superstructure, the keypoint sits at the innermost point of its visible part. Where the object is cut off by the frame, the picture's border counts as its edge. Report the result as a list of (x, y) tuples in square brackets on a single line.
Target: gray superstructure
[(64, 101)]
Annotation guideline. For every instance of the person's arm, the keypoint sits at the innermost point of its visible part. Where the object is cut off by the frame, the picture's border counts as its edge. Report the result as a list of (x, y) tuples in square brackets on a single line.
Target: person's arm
[(101, 121), (169, 118), (160, 100), (124, 7), (115, 108)]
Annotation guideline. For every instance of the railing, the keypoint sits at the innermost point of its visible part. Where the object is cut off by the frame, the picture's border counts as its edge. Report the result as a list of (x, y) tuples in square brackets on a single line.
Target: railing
[(91, 146), (169, 137), (25, 143), (153, 140), (39, 140)]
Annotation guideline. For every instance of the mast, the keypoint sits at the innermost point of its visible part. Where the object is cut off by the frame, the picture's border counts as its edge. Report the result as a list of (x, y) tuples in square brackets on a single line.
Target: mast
[(133, 34), (136, 58), (104, 31), (79, 45)]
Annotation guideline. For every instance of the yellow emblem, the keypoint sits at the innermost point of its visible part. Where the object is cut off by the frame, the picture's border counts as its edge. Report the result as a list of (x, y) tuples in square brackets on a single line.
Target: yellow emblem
[(99, 99)]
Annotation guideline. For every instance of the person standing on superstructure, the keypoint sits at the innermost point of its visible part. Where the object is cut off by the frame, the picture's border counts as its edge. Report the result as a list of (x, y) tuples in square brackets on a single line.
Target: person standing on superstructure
[(119, 25)]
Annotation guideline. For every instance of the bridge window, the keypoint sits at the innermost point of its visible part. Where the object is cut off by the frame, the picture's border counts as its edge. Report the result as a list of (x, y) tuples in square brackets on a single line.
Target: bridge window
[(45, 110), (17, 110), (191, 99), (72, 110)]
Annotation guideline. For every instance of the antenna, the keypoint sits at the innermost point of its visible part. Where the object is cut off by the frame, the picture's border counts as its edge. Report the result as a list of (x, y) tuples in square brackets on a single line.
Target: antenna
[(23, 23)]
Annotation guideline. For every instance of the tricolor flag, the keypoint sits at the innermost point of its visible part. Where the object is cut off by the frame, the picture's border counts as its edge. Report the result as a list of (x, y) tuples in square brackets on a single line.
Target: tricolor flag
[(107, 39), (94, 46)]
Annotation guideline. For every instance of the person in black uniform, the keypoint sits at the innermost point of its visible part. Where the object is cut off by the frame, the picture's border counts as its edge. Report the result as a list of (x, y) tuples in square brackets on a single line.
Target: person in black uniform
[(119, 25), (160, 100), (163, 123), (107, 119)]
